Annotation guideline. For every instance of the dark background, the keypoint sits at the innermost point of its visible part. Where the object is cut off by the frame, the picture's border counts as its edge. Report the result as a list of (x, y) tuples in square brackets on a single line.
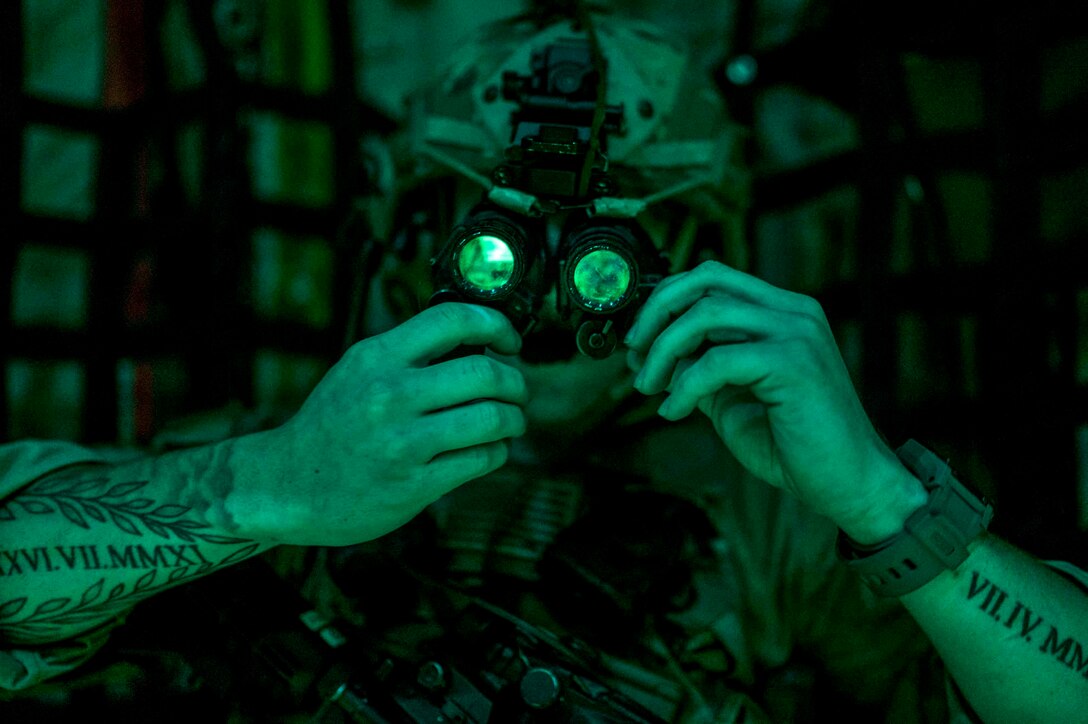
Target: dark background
[(177, 236)]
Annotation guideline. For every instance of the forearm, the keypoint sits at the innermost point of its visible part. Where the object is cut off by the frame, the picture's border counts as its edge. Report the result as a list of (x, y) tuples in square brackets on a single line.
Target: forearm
[(1012, 632), (84, 543)]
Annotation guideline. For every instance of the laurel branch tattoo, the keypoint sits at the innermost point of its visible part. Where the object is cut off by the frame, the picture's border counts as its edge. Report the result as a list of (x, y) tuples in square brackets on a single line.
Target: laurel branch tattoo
[(86, 500), (83, 499)]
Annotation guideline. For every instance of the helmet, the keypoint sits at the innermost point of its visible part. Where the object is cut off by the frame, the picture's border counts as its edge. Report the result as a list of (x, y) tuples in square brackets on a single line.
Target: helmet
[(674, 139), (599, 113)]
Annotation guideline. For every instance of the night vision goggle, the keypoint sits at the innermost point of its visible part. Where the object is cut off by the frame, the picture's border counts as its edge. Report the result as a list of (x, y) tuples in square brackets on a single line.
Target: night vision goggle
[(602, 271), (604, 267)]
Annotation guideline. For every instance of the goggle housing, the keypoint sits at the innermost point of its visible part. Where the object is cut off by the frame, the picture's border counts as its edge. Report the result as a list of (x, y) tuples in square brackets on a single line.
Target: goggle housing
[(602, 272)]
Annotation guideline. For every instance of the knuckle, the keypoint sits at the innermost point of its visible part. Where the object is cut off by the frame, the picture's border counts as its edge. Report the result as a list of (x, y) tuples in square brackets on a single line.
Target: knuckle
[(451, 314), (359, 353), (811, 326), (481, 460), (717, 355), (461, 315), (806, 323), (811, 307), (716, 358), (490, 418), (397, 448), (492, 456), (389, 453), (482, 370), (402, 449), (382, 395), (503, 420), (713, 307), (710, 267)]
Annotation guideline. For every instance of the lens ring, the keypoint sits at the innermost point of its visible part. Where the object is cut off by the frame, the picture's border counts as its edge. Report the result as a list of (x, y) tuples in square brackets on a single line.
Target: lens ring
[(601, 278)]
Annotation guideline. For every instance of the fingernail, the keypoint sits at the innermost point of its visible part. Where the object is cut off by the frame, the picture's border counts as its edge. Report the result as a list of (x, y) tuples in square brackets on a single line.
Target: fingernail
[(632, 334), (640, 378), (666, 408)]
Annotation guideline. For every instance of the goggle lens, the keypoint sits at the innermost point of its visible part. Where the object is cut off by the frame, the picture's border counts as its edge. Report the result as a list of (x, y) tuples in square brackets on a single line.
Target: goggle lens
[(486, 263), (602, 279)]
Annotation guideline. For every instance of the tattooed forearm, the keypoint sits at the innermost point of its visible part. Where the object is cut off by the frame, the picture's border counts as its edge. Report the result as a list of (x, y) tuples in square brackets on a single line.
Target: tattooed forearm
[(84, 499), (85, 543), (1025, 623), (53, 617)]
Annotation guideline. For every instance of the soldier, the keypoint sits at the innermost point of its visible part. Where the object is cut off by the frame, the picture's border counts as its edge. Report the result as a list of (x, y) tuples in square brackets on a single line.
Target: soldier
[(557, 267)]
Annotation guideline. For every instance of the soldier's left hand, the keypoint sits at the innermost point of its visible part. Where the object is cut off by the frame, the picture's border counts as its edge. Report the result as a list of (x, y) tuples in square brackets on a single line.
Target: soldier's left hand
[(762, 363)]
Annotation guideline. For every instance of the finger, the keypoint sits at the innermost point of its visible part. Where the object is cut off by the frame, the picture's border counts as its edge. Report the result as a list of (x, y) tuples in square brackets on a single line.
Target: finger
[(668, 301), (461, 380), (467, 426), (669, 281), (748, 365), (439, 330), (711, 319), (456, 467), (663, 284)]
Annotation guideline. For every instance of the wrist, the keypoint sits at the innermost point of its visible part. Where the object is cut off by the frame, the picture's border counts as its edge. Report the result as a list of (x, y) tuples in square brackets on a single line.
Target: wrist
[(935, 538), (256, 502), (896, 496)]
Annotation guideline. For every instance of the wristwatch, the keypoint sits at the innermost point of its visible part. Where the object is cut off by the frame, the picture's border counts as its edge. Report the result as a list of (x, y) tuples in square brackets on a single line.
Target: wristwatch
[(934, 538)]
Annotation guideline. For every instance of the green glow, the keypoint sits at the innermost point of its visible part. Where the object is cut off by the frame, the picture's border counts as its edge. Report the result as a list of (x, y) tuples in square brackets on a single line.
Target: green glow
[(602, 278), (486, 262)]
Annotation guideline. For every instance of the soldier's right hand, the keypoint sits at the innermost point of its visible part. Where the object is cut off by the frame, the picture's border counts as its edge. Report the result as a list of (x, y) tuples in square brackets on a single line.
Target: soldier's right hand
[(385, 433)]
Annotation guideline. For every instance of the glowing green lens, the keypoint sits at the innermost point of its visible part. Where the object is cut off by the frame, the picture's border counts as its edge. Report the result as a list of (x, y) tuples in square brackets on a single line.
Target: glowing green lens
[(602, 278), (486, 262)]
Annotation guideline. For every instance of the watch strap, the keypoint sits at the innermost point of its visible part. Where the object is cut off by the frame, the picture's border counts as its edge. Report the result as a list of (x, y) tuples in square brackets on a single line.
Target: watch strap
[(934, 538)]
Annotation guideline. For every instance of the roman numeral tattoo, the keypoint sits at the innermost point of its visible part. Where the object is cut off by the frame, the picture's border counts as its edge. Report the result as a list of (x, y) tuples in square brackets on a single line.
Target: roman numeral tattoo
[(175, 546), (100, 601), (44, 559), (1025, 623)]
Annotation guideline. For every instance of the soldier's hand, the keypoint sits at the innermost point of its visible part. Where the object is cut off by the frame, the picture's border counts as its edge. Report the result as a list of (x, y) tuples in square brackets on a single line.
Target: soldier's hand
[(762, 364), (386, 433)]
